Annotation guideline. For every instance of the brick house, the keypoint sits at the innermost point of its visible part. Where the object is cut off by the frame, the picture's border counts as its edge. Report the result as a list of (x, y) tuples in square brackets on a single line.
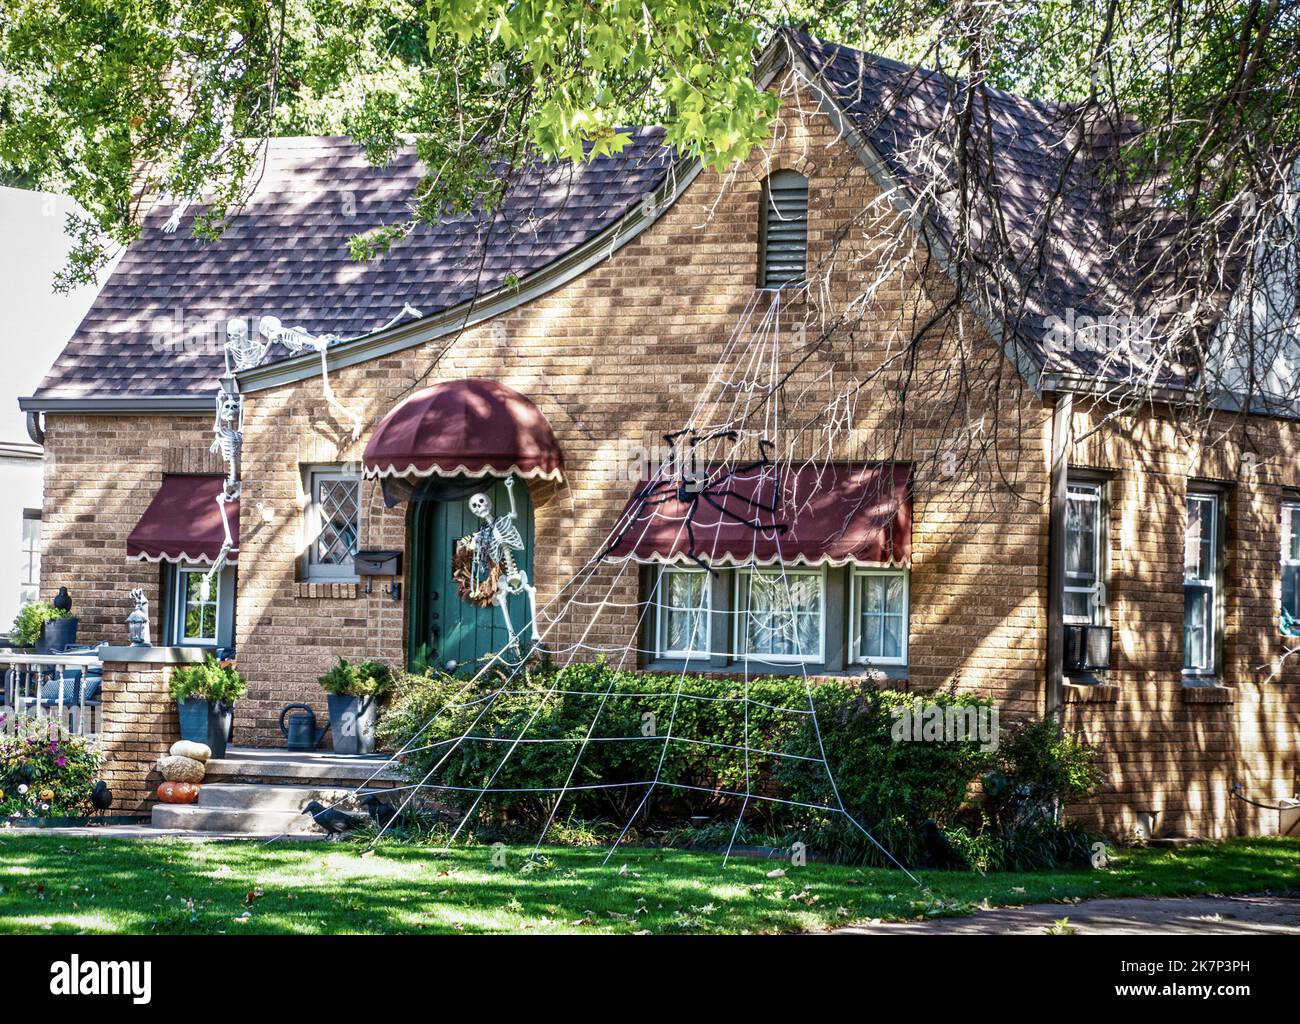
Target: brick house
[(588, 317)]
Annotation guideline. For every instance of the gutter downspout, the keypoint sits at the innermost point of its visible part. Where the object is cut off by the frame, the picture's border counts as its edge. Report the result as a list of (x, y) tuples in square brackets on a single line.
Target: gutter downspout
[(1060, 455), (36, 429)]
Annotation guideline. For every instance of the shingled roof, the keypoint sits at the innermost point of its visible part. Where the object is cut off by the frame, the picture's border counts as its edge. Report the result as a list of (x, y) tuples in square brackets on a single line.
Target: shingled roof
[(1067, 252), (286, 252), (155, 328)]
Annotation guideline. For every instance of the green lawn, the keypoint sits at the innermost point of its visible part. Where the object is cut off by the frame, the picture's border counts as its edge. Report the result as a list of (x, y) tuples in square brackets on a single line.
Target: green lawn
[(49, 883)]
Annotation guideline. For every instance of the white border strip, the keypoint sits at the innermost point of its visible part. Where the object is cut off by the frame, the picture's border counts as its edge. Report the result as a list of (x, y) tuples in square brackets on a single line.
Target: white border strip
[(184, 558), (390, 470)]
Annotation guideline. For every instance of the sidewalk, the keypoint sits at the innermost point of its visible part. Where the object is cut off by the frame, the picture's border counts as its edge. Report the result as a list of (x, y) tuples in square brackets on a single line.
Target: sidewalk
[(1197, 915)]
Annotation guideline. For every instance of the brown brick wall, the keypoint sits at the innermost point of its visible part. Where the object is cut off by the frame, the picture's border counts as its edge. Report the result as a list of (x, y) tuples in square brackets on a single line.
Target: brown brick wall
[(139, 726), (1167, 747), (618, 357), (101, 472)]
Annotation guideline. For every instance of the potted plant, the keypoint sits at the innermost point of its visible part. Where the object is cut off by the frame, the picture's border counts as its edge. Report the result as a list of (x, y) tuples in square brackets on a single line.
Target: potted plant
[(39, 624), (354, 692), (205, 697)]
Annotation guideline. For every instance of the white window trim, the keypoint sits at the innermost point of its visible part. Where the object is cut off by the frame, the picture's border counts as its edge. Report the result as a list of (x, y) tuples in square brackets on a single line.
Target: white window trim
[(1290, 510), (1097, 592), (661, 618), (29, 558), (742, 614), (1212, 625), (311, 524), (180, 607), (856, 657)]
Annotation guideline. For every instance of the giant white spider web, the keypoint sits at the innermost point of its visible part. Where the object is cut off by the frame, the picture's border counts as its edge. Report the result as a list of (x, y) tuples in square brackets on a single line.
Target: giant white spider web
[(736, 417)]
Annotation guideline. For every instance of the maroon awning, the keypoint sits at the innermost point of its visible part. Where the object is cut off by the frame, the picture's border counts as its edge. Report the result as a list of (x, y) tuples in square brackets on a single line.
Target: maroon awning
[(183, 523), (833, 514), (466, 427)]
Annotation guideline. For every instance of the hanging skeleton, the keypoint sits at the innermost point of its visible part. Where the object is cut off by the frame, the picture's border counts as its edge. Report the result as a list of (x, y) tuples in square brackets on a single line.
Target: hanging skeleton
[(484, 565), (228, 429), (244, 352)]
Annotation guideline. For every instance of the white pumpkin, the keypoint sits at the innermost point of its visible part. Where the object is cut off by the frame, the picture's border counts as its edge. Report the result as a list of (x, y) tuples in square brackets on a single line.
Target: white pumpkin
[(190, 749)]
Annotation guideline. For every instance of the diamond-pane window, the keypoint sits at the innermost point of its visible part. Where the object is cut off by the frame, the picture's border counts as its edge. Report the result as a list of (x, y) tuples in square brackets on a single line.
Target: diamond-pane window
[(333, 523)]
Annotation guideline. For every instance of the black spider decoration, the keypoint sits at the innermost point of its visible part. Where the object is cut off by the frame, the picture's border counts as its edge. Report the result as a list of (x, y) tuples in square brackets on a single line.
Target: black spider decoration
[(691, 488)]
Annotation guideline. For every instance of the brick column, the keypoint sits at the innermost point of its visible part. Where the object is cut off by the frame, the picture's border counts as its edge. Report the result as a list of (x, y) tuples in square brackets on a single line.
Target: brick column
[(138, 723)]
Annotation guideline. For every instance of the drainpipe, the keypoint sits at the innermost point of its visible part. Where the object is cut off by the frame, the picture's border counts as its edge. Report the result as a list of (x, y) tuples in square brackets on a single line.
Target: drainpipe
[(1061, 412), (36, 429)]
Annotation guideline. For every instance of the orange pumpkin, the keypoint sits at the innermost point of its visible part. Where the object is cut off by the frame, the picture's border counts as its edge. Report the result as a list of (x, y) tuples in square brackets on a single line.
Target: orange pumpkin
[(178, 792)]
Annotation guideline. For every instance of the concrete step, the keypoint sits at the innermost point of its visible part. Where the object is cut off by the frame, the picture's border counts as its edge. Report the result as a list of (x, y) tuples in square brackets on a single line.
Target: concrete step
[(260, 797), (261, 792), (248, 764), (253, 809), (241, 821)]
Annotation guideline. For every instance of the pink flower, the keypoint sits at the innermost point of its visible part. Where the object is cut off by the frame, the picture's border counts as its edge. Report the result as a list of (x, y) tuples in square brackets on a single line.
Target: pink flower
[(60, 761)]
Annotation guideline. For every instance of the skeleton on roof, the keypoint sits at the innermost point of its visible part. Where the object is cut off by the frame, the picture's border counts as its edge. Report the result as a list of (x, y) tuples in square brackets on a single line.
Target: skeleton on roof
[(495, 576), (297, 340), (243, 351)]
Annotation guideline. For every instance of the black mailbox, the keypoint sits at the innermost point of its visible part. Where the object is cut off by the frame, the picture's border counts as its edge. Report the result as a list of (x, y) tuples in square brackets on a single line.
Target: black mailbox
[(378, 563)]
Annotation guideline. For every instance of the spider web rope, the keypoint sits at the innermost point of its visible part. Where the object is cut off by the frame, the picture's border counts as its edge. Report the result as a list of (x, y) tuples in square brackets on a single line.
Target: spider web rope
[(750, 354), (745, 318), (589, 570), (770, 318)]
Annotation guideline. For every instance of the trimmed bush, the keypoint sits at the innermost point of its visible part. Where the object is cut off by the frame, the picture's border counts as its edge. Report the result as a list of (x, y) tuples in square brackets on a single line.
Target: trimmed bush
[(703, 771), (468, 737)]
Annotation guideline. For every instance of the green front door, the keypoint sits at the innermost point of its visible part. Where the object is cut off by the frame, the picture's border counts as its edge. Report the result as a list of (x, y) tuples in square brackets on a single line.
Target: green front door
[(442, 628)]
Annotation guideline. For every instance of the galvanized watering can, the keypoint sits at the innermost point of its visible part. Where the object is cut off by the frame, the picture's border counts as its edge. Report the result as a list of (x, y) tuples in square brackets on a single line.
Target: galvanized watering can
[(299, 728)]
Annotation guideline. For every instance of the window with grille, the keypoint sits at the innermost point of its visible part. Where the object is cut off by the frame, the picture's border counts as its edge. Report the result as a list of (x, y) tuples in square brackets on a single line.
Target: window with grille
[(780, 615), (880, 616), (1201, 590), (1085, 592), (199, 609), (783, 232), (333, 524), (1291, 568), (198, 598), (683, 605), (29, 558)]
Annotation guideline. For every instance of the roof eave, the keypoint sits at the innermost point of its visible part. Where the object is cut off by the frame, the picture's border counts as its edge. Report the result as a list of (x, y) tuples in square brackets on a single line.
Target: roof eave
[(1219, 401), (179, 405)]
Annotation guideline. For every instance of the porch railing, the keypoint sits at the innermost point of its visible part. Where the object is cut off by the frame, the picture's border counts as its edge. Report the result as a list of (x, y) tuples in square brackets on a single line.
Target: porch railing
[(63, 688)]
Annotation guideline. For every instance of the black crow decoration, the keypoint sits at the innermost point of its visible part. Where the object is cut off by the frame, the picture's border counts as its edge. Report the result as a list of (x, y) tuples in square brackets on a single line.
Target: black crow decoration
[(334, 822), (380, 812), (938, 850), (101, 797)]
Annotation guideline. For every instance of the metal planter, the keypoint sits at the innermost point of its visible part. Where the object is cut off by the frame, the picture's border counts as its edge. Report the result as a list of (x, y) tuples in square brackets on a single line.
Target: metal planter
[(352, 724), (206, 722)]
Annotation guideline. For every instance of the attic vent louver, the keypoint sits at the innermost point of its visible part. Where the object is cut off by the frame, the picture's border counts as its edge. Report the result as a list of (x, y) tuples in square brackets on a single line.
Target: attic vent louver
[(783, 242)]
